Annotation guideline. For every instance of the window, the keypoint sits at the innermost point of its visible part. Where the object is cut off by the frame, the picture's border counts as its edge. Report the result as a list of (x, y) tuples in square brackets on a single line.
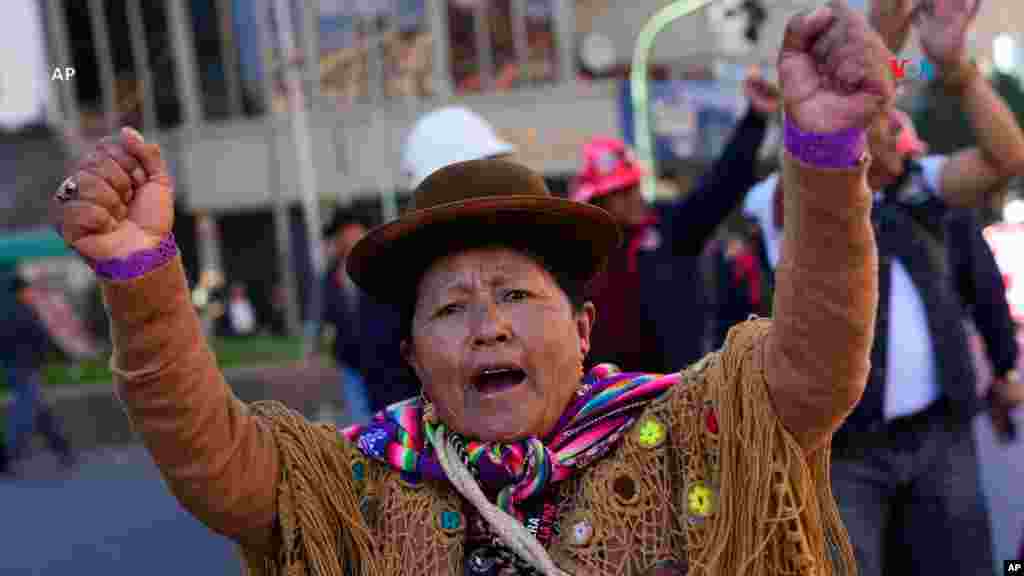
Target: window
[(408, 52), (501, 44)]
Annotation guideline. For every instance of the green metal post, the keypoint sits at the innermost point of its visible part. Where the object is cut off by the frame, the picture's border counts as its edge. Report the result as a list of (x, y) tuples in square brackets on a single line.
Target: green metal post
[(638, 86)]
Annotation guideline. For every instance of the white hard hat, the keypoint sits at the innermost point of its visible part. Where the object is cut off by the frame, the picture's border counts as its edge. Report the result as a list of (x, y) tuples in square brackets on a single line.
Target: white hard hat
[(446, 136)]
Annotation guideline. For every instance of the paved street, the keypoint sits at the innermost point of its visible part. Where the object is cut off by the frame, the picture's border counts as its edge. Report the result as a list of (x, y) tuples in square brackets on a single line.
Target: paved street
[(111, 516)]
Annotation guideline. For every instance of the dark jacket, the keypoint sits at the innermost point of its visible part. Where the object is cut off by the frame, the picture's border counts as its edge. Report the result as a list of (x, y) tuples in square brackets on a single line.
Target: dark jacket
[(369, 343), (672, 298)]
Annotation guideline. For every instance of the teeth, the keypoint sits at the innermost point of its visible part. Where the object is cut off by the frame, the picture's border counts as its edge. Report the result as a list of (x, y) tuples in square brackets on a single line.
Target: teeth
[(497, 370)]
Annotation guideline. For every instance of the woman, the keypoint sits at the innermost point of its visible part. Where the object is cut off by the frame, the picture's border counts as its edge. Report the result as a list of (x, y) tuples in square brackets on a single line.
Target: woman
[(513, 461)]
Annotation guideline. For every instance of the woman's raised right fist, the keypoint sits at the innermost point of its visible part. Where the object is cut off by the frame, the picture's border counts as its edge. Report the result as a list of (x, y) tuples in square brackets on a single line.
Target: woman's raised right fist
[(118, 200)]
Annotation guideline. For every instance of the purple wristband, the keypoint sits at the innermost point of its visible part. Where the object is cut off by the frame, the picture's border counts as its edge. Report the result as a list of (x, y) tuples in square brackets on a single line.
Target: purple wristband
[(836, 150), (139, 263)]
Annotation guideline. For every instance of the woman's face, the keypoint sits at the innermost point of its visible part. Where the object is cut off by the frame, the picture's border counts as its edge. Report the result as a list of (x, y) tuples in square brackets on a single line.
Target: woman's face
[(497, 344), (627, 206)]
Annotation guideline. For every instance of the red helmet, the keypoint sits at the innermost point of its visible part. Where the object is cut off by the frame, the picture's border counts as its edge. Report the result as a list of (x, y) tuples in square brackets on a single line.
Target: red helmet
[(608, 166)]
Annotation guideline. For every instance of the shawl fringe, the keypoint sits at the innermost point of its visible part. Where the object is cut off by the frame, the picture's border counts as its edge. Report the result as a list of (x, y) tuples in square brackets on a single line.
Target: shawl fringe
[(776, 513), (319, 527)]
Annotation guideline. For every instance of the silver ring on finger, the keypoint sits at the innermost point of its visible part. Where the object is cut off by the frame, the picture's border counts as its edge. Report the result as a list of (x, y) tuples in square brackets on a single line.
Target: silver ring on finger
[(68, 190)]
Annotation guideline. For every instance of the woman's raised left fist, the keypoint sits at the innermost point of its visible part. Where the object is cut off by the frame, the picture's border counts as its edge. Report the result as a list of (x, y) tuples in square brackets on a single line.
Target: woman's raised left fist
[(834, 70)]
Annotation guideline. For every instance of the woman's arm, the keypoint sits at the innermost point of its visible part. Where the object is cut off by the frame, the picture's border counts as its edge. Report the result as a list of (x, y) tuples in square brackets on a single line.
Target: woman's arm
[(835, 81), (825, 300), (116, 210), (218, 460)]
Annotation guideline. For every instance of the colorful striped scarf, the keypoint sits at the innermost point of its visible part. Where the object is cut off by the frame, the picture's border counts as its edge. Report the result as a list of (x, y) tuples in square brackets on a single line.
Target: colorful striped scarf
[(513, 473)]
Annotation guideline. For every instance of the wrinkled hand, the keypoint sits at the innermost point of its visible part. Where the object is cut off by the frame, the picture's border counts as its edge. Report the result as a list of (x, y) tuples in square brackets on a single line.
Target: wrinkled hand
[(942, 25), (124, 201), (834, 70), (764, 96)]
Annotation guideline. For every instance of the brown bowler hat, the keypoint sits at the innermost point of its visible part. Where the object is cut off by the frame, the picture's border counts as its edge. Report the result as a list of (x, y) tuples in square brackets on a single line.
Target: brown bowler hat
[(476, 203)]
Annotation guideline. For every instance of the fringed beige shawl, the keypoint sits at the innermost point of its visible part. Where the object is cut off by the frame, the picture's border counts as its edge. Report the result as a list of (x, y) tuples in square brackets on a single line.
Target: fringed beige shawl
[(773, 513)]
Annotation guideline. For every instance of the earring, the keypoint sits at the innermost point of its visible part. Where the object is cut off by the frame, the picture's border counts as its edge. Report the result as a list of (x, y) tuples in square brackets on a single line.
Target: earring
[(428, 409), (583, 388)]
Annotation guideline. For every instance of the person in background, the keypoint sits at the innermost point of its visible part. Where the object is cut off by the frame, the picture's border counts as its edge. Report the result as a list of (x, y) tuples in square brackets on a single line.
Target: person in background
[(342, 310), (904, 465), (240, 316), (24, 343), (937, 519), (654, 312)]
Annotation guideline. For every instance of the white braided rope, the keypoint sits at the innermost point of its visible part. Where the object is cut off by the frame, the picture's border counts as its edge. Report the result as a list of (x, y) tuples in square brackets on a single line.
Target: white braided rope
[(508, 528)]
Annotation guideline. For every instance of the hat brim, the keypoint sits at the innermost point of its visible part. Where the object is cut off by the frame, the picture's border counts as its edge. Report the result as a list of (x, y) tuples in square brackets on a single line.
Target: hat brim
[(577, 238)]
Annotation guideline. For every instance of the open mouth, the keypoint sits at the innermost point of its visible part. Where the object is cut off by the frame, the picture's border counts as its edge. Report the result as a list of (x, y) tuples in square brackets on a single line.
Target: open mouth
[(495, 379)]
